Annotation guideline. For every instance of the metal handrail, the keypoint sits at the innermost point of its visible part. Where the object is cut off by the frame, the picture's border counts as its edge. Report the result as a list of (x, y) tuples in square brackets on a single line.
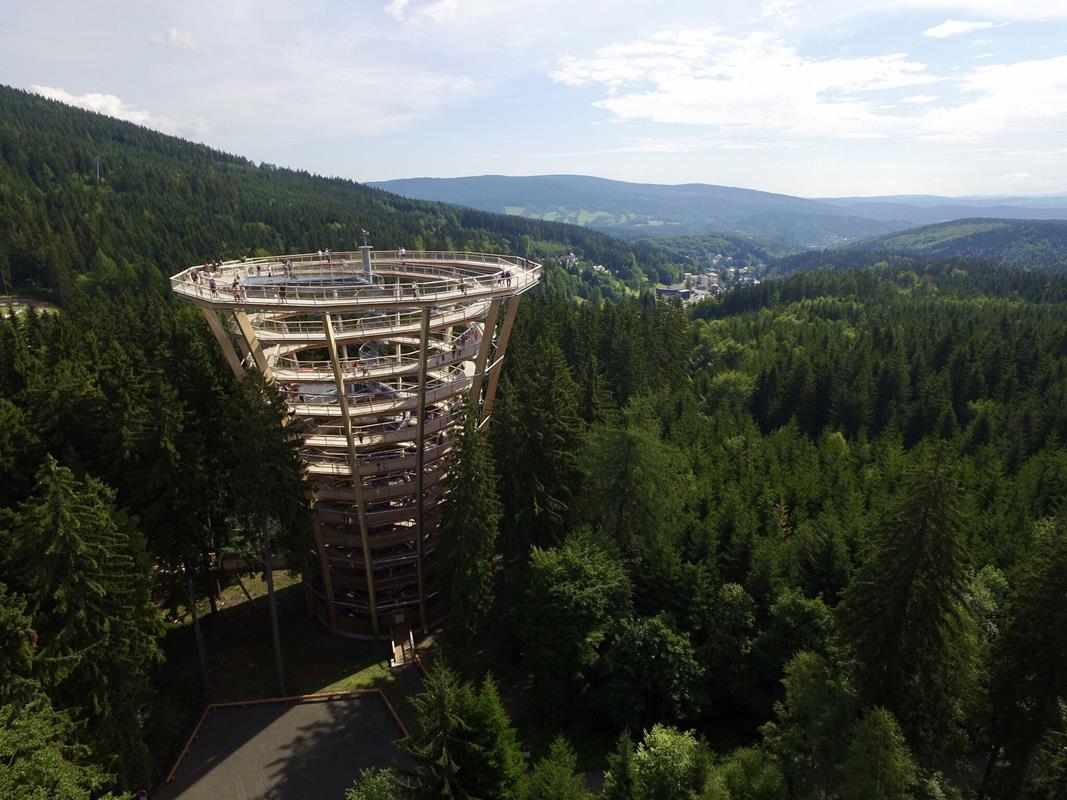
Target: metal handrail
[(476, 273)]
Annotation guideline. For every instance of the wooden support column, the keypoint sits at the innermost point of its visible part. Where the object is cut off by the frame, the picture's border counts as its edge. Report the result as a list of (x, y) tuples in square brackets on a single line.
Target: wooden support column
[(357, 481), (498, 355), (483, 351), (253, 343), (420, 458), (327, 577), (223, 339)]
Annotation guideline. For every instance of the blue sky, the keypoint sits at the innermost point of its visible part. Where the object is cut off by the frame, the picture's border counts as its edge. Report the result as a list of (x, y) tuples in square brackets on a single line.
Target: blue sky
[(826, 97)]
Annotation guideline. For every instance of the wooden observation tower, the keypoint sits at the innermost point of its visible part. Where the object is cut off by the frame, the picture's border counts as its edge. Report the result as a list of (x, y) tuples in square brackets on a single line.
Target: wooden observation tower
[(375, 353)]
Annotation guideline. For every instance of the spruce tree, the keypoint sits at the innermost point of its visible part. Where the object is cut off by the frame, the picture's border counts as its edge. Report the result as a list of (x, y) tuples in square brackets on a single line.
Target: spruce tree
[(537, 436), (464, 745), (469, 527), (904, 615), (878, 766), (86, 578), (556, 776), (16, 649), (620, 780), (1029, 682), (635, 480)]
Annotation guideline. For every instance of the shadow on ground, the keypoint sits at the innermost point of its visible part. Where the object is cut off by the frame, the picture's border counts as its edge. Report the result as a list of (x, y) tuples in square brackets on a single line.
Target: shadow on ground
[(285, 751), (241, 668)]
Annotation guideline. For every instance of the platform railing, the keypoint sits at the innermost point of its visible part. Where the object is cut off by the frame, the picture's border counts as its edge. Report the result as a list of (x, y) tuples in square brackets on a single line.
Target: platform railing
[(377, 324), (477, 273), (367, 365)]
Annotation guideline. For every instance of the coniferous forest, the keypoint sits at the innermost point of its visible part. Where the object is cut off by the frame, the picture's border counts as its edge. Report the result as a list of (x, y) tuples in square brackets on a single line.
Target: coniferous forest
[(807, 540)]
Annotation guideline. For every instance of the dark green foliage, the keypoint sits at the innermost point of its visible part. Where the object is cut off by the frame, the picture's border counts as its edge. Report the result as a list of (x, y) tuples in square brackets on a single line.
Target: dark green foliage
[(537, 442), (83, 571), (620, 779), (41, 757), (748, 775), (373, 784), (464, 746), (650, 672), (1029, 683), (1028, 243), (469, 529), (813, 723), (795, 623), (904, 613), (573, 596), (555, 777), (18, 453), (16, 649), (878, 766), (636, 481), (784, 472), (1048, 772)]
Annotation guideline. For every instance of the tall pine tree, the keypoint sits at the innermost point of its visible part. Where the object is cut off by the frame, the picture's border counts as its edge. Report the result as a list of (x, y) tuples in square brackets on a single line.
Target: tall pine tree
[(904, 614), (85, 575), (469, 527)]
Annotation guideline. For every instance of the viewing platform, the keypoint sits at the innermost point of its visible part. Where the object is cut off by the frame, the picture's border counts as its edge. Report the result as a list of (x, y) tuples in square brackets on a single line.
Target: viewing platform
[(375, 355)]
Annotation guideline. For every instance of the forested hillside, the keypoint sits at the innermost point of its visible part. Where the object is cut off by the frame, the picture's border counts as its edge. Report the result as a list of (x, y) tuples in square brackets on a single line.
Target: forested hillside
[(1033, 244), (162, 203), (779, 221)]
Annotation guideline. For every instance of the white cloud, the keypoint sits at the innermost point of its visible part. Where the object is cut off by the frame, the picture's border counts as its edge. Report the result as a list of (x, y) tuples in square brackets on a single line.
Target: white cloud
[(436, 11), (756, 82), (760, 85), (1025, 97), (396, 8), (113, 106), (179, 39), (952, 27), (100, 103)]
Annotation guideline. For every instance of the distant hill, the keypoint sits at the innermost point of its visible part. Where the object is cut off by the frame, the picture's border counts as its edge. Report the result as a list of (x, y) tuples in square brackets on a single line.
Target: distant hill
[(636, 210), (930, 209), (94, 202), (776, 222), (1027, 244)]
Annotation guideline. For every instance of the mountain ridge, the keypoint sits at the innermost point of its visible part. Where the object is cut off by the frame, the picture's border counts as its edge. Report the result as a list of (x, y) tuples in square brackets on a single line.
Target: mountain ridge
[(781, 222), (1030, 244)]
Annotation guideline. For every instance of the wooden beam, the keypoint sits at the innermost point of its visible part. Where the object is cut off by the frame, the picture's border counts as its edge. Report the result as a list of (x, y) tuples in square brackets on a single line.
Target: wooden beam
[(483, 351), (327, 577), (223, 339), (253, 343), (357, 481), (498, 355), (420, 518)]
